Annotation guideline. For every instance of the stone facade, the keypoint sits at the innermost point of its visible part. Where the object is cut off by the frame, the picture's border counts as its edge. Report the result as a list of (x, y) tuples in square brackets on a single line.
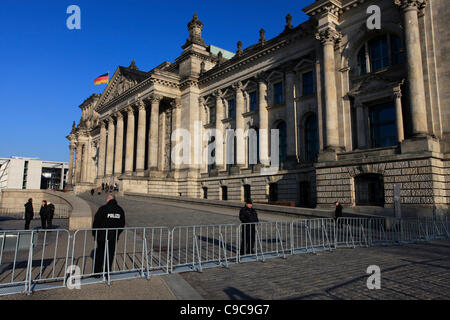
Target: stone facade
[(358, 111)]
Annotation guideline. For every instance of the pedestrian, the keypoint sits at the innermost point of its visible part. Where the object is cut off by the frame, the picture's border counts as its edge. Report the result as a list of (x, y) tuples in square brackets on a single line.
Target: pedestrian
[(43, 214), (249, 218), (29, 213), (92, 192), (106, 187), (338, 211), (103, 186), (108, 216), (50, 214)]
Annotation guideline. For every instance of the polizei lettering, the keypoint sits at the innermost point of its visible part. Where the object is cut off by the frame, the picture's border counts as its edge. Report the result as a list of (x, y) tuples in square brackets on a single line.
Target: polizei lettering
[(192, 310), (113, 216)]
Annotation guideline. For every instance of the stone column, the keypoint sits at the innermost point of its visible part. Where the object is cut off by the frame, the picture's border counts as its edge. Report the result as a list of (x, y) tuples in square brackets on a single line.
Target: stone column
[(119, 144), (329, 37), (399, 116), (414, 63), (61, 184), (78, 155), (263, 123), (130, 142), (361, 128), (220, 142), (240, 125), (140, 149), (154, 132), (110, 147), (102, 151), (85, 162), (290, 116), (70, 172)]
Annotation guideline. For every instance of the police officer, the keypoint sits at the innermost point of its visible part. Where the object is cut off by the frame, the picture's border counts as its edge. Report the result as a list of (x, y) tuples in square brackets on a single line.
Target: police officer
[(109, 216), (248, 215), (29, 214), (50, 213), (43, 214)]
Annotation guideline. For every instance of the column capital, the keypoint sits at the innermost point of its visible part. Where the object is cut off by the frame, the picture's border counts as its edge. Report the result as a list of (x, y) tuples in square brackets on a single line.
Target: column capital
[(261, 77), (102, 124), (140, 105), (111, 120), (155, 98), (238, 86), (218, 94), (329, 36), (411, 4), (176, 103), (397, 94), (119, 115), (129, 110)]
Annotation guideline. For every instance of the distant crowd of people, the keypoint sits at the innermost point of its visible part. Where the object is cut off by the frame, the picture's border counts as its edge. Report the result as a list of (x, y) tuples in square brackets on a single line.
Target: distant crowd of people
[(46, 213), (107, 188)]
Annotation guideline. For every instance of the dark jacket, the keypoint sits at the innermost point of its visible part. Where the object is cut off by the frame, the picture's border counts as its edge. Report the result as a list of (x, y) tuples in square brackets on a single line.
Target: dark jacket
[(50, 211), (43, 212), (29, 214), (338, 211), (248, 215), (109, 216)]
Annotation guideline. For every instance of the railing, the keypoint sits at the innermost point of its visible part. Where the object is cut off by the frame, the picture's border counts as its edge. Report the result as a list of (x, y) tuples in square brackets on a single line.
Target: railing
[(33, 260), (19, 212)]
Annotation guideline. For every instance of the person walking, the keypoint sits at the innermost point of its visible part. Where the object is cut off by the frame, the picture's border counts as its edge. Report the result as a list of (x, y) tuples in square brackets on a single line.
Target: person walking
[(92, 192), (103, 186), (248, 216), (108, 216), (43, 214), (338, 210), (29, 213), (50, 214)]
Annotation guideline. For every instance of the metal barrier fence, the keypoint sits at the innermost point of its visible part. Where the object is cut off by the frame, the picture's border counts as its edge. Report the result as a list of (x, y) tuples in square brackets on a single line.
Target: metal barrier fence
[(32, 260), (352, 232), (198, 247), (123, 253), (19, 212), (264, 240), (312, 235)]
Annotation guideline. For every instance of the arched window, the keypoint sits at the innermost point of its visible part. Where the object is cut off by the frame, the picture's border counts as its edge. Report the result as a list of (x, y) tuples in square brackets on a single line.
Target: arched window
[(311, 139), (369, 189), (379, 53), (283, 141), (211, 154)]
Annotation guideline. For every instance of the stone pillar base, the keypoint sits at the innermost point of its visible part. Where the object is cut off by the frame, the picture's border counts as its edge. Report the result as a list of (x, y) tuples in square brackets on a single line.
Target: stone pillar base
[(420, 144), (327, 155)]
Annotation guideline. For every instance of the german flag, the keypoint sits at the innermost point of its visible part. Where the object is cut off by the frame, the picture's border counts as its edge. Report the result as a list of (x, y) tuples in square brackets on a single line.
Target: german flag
[(102, 79)]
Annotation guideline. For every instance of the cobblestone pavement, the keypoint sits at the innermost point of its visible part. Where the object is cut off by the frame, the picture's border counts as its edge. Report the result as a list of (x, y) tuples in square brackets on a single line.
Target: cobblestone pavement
[(413, 271)]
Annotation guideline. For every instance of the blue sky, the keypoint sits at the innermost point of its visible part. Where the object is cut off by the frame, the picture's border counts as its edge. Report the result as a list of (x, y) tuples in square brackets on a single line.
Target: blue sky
[(47, 70)]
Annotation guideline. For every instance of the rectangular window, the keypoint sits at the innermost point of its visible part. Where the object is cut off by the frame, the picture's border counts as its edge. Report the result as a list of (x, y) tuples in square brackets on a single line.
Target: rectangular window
[(25, 175), (253, 101), (397, 50), (231, 108), (224, 193), (379, 54), (308, 83), (212, 115), (273, 192), (383, 128), (278, 93), (247, 192)]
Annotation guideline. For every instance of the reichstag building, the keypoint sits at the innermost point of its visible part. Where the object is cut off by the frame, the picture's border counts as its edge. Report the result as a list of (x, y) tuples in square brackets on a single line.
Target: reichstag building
[(359, 111)]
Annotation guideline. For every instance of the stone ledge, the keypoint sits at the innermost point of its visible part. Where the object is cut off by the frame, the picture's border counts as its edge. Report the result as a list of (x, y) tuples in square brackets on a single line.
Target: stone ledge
[(263, 208)]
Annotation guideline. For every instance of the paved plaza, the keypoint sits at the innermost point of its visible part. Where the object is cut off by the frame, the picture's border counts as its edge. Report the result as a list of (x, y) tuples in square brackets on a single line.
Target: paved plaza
[(413, 271)]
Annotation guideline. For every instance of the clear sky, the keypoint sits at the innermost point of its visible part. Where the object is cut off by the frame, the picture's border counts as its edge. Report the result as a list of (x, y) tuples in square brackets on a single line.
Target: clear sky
[(47, 70)]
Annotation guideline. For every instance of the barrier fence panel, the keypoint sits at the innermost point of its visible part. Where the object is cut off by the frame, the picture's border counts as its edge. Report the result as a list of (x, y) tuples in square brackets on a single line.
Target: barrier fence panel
[(385, 231), (264, 240), (198, 247), (410, 231), (49, 259), (123, 253), (311, 235), (15, 258), (352, 232)]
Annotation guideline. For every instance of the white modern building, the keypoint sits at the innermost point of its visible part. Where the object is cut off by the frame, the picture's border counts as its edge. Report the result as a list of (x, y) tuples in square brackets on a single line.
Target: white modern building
[(32, 173)]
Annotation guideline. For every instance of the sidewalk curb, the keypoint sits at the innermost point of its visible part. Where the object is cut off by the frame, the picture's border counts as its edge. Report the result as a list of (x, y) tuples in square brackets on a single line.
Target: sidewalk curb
[(180, 287)]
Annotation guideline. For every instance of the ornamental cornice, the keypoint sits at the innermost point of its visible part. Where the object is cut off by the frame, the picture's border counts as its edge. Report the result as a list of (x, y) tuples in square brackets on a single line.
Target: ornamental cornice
[(333, 7), (411, 4)]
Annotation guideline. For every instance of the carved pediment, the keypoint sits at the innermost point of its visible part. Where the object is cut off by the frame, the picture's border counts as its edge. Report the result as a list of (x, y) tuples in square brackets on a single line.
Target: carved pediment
[(123, 80), (373, 83)]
